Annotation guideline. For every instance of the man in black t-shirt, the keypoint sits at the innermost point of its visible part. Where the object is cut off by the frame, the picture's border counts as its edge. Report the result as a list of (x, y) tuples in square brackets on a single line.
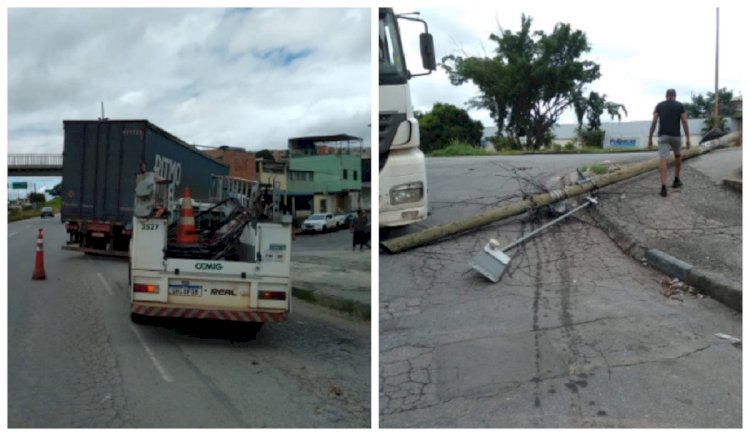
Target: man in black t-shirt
[(670, 113)]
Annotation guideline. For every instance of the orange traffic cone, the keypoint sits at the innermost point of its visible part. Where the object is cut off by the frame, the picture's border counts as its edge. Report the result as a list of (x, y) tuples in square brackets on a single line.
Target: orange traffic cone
[(186, 231), (39, 267)]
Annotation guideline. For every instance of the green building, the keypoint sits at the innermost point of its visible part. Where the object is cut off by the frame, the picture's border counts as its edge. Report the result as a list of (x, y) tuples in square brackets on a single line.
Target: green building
[(325, 174)]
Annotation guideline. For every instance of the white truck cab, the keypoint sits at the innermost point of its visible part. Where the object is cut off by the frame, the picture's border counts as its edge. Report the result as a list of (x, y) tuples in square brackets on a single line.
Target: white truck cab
[(403, 177)]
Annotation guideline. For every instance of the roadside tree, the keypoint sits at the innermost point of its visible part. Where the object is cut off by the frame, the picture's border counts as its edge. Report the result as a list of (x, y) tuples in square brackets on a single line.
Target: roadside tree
[(531, 80), (592, 108), (446, 124), (703, 107)]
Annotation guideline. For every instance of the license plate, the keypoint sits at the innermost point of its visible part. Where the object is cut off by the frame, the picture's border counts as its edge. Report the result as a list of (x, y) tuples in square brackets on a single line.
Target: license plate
[(97, 234), (186, 290)]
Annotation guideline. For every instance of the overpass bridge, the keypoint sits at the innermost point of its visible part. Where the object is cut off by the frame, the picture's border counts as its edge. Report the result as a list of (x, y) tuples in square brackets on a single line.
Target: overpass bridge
[(34, 165)]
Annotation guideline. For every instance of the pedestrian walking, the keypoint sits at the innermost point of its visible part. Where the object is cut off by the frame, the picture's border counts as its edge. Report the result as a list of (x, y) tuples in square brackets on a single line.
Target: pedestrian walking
[(358, 227), (670, 113)]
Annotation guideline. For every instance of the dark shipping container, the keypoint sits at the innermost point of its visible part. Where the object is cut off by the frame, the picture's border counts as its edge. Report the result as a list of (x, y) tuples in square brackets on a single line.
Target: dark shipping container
[(100, 161)]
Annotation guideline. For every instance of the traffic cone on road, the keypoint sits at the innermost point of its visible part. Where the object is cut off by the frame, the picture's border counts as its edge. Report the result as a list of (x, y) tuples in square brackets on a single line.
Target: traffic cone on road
[(39, 266), (186, 231)]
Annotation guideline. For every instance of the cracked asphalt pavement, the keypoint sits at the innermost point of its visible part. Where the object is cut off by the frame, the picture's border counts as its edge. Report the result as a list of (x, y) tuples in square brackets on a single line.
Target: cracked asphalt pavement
[(75, 360), (576, 334)]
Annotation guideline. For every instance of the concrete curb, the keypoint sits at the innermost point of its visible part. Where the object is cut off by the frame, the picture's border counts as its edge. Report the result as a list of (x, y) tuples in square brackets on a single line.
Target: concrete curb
[(301, 284), (668, 264), (712, 284), (709, 283), (733, 184), (625, 241), (717, 287)]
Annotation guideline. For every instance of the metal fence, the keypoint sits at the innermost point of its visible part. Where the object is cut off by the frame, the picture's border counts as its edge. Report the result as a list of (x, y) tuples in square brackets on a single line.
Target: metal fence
[(35, 160)]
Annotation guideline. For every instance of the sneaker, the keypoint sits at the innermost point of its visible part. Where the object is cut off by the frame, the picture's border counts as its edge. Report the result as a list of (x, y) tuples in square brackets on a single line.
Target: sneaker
[(677, 183), (663, 191)]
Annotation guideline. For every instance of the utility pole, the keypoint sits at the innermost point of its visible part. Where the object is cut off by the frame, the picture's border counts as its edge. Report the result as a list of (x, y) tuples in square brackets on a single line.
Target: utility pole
[(716, 81)]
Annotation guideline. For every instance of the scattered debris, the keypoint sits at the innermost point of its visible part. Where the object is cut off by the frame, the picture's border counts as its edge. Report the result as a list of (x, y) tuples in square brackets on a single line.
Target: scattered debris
[(675, 290), (336, 391), (729, 338), (581, 177)]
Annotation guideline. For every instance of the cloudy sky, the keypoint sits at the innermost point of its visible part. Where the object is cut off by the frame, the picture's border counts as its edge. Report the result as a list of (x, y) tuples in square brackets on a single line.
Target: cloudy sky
[(643, 48), (248, 78)]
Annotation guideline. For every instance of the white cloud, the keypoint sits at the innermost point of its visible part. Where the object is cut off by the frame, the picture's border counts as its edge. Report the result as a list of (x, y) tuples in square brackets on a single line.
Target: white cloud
[(241, 77), (643, 48)]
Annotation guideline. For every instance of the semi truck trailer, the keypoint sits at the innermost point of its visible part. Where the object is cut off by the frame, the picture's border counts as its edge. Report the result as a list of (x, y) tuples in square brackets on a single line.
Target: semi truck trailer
[(100, 161)]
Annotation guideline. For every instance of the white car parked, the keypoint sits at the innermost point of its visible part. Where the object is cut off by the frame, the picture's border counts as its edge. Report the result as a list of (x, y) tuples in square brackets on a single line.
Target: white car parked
[(319, 222)]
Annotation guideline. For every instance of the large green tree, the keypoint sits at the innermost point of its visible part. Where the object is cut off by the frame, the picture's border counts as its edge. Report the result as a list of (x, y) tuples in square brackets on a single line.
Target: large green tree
[(703, 107), (593, 107), (56, 190), (446, 124), (531, 80)]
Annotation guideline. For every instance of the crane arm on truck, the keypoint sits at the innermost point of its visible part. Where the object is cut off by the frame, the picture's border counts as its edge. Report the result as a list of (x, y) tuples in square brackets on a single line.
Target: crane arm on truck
[(238, 270)]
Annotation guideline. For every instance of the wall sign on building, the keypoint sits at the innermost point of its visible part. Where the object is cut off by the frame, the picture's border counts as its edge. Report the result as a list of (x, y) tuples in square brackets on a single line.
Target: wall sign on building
[(623, 142)]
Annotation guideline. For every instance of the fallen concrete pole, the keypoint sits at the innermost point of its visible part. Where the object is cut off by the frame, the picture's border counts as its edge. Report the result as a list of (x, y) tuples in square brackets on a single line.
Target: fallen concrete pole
[(426, 236)]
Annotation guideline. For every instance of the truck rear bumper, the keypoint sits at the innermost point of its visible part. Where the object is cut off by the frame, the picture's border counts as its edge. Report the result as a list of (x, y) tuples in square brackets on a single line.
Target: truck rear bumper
[(224, 314)]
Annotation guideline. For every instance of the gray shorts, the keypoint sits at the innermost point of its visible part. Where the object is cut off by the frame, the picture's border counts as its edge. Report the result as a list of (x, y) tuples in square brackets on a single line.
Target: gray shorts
[(667, 142)]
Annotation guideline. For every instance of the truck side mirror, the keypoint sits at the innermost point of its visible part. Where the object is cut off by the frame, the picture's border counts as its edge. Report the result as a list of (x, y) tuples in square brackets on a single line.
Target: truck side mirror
[(427, 48)]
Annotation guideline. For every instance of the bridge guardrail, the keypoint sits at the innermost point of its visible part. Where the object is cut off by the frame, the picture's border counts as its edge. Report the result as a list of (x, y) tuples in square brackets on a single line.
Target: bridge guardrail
[(35, 160)]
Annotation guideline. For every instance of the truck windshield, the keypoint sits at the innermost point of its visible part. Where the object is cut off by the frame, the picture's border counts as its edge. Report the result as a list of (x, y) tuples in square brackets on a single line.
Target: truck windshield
[(392, 64)]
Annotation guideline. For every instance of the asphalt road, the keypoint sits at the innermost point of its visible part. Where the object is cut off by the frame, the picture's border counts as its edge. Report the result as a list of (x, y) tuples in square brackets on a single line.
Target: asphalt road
[(576, 334), (324, 241), (460, 187), (76, 360)]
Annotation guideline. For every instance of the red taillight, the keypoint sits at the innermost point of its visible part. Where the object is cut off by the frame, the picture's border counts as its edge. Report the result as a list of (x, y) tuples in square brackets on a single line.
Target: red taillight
[(127, 232), (141, 287), (272, 295)]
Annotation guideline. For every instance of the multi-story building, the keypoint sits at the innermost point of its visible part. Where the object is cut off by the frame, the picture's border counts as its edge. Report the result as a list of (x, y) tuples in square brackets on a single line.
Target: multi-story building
[(325, 174)]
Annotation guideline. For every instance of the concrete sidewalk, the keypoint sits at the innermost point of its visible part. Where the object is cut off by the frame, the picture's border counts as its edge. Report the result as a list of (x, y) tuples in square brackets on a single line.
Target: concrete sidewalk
[(337, 279), (694, 234)]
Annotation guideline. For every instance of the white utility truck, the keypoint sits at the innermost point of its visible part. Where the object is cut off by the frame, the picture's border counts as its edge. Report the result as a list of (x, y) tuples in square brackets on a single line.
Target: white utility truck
[(403, 178), (238, 270)]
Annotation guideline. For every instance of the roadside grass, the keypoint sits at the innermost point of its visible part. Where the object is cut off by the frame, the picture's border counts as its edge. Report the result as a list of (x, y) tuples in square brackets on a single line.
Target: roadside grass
[(598, 169), (17, 215), (357, 310), (459, 150), (470, 150), (305, 294)]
